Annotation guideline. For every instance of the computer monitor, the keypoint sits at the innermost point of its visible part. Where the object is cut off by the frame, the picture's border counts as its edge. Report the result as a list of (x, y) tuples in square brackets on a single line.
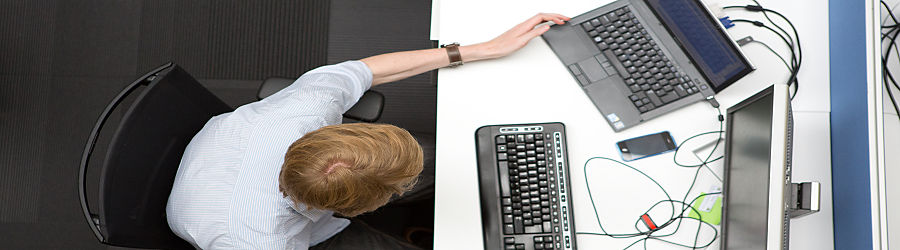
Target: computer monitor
[(758, 172)]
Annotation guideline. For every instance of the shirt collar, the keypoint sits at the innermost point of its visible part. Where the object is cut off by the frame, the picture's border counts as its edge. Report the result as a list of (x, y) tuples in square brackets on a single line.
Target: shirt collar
[(311, 213)]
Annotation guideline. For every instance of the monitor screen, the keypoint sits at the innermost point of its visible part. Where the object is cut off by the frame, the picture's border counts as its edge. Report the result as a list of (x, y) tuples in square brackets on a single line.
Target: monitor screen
[(703, 40), (748, 140)]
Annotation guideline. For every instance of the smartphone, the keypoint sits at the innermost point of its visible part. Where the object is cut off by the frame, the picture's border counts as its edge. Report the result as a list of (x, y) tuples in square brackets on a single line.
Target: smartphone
[(644, 146)]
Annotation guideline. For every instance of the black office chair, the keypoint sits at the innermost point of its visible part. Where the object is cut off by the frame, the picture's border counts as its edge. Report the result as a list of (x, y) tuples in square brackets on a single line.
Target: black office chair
[(143, 155)]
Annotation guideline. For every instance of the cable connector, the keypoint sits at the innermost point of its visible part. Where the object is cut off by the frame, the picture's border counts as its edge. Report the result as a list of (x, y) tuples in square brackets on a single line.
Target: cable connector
[(754, 8), (648, 222), (744, 41), (712, 101), (726, 21)]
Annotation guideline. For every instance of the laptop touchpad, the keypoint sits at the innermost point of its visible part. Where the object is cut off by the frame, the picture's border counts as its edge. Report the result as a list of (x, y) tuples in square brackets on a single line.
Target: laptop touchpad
[(609, 99), (592, 69)]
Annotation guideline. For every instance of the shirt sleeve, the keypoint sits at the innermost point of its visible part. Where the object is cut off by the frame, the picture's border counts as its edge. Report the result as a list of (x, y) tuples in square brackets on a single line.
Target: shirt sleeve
[(342, 83)]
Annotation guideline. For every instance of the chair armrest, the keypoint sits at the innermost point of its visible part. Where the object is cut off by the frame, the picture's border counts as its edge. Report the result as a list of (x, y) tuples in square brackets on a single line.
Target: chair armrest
[(272, 85), (367, 109)]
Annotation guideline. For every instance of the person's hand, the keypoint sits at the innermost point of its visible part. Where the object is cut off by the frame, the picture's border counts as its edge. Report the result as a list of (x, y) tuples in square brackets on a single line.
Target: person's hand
[(513, 39)]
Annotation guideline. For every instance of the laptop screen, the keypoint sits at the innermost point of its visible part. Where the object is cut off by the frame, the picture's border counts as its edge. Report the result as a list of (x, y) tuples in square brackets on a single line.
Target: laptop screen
[(703, 40)]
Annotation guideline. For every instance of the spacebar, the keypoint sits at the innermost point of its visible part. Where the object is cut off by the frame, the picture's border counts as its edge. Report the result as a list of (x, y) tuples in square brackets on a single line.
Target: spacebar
[(618, 65)]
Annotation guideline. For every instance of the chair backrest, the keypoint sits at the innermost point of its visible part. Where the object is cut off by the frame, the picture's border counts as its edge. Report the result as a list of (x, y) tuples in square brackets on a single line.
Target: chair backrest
[(143, 157)]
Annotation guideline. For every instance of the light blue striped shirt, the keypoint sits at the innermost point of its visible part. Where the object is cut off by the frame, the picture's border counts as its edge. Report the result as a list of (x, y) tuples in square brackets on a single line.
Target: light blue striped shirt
[(226, 192)]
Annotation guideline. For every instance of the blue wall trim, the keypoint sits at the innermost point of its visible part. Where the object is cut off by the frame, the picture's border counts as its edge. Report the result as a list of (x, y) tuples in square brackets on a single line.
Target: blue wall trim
[(849, 125)]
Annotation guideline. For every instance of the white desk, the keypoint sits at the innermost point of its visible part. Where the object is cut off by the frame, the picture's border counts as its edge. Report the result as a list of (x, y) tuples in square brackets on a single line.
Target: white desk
[(533, 86)]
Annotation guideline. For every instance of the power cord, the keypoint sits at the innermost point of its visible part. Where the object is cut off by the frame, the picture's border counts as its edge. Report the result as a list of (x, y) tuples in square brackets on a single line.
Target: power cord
[(890, 36), (674, 218)]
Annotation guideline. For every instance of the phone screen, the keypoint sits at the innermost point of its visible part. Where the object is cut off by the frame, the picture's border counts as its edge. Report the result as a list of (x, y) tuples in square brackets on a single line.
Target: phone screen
[(644, 146)]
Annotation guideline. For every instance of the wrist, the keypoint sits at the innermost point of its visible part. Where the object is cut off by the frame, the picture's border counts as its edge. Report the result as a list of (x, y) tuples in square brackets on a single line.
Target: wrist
[(474, 52)]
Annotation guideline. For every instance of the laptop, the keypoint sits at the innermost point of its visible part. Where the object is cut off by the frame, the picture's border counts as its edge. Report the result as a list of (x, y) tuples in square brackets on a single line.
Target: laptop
[(640, 59)]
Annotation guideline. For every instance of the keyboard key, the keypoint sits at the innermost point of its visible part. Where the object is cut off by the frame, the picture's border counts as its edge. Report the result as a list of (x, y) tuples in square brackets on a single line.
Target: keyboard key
[(518, 224), (595, 22), (670, 97), (653, 98), (508, 229), (501, 139), (680, 90), (604, 20), (635, 88), (587, 26), (618, 66)]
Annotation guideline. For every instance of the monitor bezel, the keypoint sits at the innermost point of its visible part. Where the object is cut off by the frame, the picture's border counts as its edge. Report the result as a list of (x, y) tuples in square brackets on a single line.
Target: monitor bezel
[(778, 189)]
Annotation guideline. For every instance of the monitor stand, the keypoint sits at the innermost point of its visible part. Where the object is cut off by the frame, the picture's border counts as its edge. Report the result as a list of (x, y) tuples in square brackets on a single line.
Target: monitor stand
[(804, 198)]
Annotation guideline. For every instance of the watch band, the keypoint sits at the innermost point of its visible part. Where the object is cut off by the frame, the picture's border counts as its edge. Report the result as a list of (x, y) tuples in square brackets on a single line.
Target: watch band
[(453, 54)]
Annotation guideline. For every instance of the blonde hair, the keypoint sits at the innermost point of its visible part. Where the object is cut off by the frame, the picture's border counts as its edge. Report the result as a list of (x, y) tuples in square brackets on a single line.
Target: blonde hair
[(350, 168)]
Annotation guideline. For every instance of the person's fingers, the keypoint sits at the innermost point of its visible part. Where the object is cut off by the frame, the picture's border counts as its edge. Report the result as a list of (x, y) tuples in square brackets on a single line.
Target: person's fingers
[(539, 18), (530, 23), (534, 33), (559, 19), (555, 18), (565, 18)]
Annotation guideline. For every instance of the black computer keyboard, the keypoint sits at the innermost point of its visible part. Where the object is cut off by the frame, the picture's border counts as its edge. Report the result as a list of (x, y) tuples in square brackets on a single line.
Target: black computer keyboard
[(653, 79), (524, 186)]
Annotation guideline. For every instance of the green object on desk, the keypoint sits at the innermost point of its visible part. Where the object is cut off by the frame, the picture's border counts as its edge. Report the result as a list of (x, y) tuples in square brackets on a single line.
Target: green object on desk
[(714, 216)]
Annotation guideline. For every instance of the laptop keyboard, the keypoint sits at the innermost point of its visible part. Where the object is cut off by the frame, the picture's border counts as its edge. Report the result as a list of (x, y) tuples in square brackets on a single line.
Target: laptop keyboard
[(652, 78)]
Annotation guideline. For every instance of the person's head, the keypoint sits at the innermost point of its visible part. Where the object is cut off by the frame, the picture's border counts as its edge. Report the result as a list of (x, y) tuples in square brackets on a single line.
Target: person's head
[(350, 168)]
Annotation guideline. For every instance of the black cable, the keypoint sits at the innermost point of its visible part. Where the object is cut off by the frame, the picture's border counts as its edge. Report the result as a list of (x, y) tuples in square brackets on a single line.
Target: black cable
[(775, 53), (792, 79), (886, 73), (891, 13), (796, 56)]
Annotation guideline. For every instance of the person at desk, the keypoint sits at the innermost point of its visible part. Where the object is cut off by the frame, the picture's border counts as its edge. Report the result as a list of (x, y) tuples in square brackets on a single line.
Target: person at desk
[(271, 174)]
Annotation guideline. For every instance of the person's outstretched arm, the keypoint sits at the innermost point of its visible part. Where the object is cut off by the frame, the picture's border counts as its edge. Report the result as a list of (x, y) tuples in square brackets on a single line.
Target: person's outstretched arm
[(399, 65)]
